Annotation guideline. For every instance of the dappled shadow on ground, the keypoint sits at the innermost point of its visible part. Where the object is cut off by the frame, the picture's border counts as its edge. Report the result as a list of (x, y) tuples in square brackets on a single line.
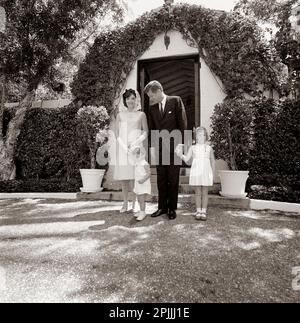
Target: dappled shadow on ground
[(81, 251), (29, 211)]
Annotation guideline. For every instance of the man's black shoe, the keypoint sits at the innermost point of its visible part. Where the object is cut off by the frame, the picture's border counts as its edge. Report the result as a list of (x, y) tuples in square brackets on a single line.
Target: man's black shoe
[(159, 213), (172, 215)]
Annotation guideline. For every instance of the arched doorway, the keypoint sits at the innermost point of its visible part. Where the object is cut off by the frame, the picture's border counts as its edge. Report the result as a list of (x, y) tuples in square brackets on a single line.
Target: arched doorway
[(179, 76)]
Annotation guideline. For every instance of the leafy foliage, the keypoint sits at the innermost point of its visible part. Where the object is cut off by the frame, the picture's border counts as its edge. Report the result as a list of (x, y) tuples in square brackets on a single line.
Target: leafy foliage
[(94, 120), (39, 33), (265, 140), (286, 40), (275, 187), (271, 11), (51, 145), (37, 37), (232, 46), (41, 186), (232, 132), (276, 135)]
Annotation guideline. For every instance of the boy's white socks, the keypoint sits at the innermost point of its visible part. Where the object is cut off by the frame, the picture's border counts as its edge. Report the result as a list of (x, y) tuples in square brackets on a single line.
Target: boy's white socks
[(142, 216)]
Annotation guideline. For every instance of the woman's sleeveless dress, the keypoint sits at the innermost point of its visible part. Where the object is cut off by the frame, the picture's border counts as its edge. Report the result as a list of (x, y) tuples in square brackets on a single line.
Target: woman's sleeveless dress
[(130, 129)]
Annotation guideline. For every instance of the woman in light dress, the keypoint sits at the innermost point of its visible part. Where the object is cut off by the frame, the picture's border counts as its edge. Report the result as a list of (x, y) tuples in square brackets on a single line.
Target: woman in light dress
[(131, 132)]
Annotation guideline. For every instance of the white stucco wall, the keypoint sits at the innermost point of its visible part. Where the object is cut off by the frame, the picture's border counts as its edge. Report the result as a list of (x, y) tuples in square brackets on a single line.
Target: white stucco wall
[(212, 93), (47, 104)]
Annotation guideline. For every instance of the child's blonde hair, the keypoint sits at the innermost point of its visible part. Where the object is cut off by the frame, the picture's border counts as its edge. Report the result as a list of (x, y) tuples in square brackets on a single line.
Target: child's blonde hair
[(199, 129), (140, 151)]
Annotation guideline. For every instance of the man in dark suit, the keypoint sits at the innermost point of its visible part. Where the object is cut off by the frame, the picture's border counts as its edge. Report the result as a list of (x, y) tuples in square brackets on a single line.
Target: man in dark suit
[(167, 115)]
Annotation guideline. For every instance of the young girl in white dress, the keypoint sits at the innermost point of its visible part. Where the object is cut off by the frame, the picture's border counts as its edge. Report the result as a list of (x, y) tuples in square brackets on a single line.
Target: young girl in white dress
[(202, 171), (142, 184)]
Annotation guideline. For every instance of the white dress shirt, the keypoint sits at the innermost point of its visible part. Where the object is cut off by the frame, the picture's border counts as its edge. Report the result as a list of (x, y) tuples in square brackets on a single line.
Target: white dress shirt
[(163, 102)]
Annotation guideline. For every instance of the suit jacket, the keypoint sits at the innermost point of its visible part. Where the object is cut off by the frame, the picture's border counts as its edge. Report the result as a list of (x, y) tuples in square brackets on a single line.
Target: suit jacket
[(174, 118)]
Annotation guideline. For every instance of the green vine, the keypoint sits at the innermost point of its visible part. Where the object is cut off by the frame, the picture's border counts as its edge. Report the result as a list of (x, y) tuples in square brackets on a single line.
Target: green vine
[(233, 47)]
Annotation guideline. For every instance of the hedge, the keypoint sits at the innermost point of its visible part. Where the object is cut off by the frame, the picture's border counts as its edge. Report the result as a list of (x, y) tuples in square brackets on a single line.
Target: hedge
[(266, 134), (276, 137), (234, 116), (275, 163), (267, 143), (51, 145), (275, 187), (41, 186)]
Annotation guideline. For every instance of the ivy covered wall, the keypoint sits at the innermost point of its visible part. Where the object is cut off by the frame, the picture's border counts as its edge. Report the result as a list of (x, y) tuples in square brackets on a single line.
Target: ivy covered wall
[(233, 47)]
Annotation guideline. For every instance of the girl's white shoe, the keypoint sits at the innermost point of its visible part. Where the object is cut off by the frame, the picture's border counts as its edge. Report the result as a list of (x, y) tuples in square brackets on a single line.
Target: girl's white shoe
[(201, 216), (198, 216), (141, 216)]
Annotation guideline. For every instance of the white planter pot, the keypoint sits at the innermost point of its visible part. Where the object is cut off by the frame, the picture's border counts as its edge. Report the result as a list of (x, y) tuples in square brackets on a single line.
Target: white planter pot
[(92, 180), (234, 183)]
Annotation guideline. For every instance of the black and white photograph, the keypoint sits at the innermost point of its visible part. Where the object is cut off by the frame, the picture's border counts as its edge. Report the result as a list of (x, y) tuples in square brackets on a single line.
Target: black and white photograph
[(149, 154)]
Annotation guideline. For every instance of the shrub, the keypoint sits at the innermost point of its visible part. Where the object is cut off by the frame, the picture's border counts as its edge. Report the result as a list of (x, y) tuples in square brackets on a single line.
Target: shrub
[(265, 140), (276, 137), (276, 187), (40, 186), (51, 145), (264, 135), (232, 132), (94, 121)]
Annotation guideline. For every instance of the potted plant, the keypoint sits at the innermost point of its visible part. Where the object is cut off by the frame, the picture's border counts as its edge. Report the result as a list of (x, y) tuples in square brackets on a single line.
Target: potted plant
[(232, 139), (94, 122)]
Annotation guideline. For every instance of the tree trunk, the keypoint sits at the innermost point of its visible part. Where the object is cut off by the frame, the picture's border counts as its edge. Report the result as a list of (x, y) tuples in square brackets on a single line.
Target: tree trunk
[(9, 143), (2, 104), (93, 150), (232, 152)]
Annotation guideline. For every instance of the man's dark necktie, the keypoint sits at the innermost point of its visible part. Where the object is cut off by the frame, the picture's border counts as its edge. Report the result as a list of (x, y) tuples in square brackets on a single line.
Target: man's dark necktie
[(161, 110)]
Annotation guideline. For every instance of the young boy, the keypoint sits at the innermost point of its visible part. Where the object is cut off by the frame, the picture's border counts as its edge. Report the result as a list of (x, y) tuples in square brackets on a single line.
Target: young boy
[(142, 185)]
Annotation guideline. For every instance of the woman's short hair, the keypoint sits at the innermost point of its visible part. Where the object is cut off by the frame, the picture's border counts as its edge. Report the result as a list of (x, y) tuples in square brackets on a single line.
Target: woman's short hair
[(153, 86), (128, 94)]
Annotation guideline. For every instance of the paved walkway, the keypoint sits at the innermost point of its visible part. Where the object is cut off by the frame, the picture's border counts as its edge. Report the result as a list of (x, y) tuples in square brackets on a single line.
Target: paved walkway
[(83, 251)]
